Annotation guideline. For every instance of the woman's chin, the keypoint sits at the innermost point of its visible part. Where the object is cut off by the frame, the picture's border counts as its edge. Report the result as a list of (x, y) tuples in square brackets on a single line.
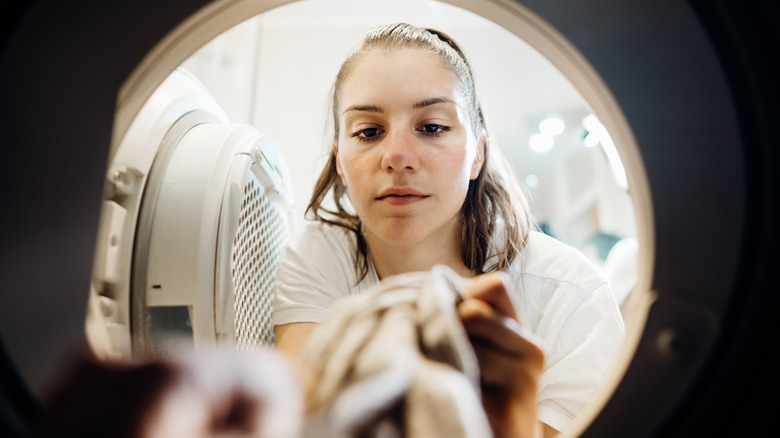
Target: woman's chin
[(409, 233)]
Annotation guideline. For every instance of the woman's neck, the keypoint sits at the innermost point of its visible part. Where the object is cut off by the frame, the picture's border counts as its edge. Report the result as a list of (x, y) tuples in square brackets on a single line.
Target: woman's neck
[(392, 260)]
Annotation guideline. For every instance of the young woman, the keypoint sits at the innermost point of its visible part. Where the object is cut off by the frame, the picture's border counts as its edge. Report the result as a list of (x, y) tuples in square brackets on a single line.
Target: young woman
[(415, 184)]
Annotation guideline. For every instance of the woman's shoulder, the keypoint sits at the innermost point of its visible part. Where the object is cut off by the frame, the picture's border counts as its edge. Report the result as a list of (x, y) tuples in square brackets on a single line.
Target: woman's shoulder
[(319, 247), (315, 270), (319, 253), (541, 245), (548, 258)]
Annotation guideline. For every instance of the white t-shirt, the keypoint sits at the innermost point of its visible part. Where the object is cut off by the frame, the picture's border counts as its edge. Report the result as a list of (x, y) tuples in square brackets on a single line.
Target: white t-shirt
[(558, 294)]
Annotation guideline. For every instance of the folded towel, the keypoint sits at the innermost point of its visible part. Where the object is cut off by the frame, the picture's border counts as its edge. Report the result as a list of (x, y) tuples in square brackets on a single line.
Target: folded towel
[(395, 361)]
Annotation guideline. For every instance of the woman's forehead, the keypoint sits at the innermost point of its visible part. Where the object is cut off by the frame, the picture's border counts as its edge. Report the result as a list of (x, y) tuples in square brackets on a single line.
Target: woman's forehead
[(397, 77)]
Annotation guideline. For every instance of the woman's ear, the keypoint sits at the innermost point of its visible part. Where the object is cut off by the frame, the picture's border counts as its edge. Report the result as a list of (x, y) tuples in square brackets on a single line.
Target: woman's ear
[(339, 170), (479, 159)]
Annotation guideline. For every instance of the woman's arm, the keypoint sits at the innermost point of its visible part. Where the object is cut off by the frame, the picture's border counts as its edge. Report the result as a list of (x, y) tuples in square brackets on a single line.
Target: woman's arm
[(547, 431), (291, 337)]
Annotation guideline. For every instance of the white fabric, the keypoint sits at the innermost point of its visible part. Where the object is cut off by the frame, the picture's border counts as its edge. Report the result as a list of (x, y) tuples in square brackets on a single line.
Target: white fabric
[(557, 292), (395, 361)]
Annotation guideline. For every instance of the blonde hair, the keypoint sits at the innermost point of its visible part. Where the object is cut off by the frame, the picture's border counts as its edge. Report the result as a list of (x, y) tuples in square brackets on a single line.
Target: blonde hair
[(493, 197)]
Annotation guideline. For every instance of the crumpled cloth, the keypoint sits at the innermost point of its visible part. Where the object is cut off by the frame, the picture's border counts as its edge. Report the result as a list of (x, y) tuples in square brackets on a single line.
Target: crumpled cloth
[(395, 362)]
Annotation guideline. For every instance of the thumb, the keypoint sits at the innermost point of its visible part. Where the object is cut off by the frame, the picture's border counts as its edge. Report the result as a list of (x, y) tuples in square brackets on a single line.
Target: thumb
[(492, 288)]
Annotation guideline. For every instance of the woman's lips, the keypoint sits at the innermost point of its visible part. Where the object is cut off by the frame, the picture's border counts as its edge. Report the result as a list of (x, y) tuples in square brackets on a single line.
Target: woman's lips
[(401, 196), (401, 199)]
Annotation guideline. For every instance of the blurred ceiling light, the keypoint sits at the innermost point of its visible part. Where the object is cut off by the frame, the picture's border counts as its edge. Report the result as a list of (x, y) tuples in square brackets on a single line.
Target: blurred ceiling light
[(541, 142), (591, 123), (592, 139), (531, 180), (552, 126)]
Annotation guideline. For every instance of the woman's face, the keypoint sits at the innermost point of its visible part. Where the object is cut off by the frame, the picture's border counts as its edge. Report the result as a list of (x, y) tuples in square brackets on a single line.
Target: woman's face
[(406, 152)]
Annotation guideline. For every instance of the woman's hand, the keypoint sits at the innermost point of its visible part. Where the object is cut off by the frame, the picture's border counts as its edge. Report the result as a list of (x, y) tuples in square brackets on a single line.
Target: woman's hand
[(509, 355)]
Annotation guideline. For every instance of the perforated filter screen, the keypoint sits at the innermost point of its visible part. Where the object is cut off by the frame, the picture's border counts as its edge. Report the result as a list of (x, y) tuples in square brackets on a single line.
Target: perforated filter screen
[(262, 232)]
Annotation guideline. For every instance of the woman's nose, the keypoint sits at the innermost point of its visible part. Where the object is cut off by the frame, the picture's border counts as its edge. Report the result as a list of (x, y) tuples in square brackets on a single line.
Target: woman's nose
[(400, 152)]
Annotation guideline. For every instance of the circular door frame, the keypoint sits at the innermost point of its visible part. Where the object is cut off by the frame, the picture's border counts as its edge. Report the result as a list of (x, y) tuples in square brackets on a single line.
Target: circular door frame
[(87, 51)]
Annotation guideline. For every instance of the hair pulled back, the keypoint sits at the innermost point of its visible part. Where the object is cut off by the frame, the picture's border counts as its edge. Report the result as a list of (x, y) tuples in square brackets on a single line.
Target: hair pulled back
[(494, 197)]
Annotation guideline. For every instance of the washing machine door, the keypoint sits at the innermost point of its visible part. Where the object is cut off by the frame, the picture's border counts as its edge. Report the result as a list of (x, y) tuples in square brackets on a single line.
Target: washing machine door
[(696, 82), (195, 214)]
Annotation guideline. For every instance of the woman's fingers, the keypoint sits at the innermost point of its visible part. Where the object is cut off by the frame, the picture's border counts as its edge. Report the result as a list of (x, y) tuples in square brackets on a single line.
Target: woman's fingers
[(492, 289), (488, 312), (490, 329), (502, 374)]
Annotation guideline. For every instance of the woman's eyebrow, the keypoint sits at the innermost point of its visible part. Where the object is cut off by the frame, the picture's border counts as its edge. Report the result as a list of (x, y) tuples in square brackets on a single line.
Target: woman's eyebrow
[(432, 101), (419, 105), (364, 108)]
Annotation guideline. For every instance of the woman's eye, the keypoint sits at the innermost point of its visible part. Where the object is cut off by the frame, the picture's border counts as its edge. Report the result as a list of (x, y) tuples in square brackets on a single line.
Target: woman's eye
[(367, 134), (433, 129)]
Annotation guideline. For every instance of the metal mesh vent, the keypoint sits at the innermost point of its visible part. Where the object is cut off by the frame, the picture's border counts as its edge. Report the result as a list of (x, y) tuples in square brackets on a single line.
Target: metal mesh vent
[(262, 232)]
